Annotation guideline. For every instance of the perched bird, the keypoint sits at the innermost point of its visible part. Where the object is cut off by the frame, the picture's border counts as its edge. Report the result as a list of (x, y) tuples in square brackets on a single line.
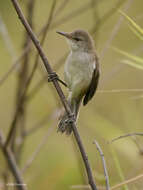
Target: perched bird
[(81, 73)]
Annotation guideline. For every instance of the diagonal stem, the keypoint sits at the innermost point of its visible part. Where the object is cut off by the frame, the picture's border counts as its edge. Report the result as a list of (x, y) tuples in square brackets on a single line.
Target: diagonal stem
[(12, 164), (58, 89)]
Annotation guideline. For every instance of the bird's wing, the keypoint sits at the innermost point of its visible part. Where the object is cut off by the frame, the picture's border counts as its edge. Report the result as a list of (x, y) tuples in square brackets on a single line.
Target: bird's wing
[(93, 84)]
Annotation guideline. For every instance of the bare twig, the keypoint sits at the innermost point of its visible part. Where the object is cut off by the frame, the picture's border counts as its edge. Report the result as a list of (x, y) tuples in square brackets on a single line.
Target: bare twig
[(86, 187), (126, 135), (61, 7), (62, 20), (44, 79), (42, 41), (42, 122), (17, 148), (96, 19), (12, 164), (37, 126), (94, 31), (104, 164), (127, 182), (106, 17), (22, 84), (113, 187), (58, 89), (27, 83), (115, 30), (34, 91), (15, 65), (72, 14), (38, 149), (120, 90), (7, 39)]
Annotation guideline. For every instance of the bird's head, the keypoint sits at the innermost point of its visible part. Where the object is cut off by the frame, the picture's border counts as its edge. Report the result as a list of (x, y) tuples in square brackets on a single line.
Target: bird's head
[(79, 40)]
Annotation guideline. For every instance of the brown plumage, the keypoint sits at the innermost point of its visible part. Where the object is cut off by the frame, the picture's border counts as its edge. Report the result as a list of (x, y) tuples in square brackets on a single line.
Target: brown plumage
[(93, 85), (81, 73)]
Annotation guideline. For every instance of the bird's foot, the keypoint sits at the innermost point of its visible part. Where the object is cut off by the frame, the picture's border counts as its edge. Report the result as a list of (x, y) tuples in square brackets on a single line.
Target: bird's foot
[(71, 119), (53, 76)]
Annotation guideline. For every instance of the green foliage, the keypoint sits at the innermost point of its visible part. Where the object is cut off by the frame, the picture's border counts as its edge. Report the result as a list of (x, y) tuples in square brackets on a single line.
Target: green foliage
[(134, 26), (118, 168), (133, 61)]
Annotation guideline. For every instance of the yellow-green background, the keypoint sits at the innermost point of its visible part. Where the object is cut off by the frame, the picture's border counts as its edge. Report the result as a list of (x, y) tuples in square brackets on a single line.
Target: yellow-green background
[(58, 165)]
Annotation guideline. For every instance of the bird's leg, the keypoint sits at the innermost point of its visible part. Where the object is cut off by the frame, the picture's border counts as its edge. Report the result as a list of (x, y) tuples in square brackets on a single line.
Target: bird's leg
[(53, 76), (71, 119)]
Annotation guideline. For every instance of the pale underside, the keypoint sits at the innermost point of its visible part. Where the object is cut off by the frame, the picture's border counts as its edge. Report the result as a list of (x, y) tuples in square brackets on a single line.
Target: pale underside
[(79, 68)]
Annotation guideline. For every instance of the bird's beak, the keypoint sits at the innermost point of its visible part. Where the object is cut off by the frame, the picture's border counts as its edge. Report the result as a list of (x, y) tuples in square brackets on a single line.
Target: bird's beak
[(67, 35)]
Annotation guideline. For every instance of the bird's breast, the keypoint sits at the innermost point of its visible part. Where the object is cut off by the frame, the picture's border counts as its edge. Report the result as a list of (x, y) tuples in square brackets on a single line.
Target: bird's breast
[(79, 68)]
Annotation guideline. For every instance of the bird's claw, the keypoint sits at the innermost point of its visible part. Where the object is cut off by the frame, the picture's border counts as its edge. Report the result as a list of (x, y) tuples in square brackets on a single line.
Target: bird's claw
[(52, 76), (70, 119)]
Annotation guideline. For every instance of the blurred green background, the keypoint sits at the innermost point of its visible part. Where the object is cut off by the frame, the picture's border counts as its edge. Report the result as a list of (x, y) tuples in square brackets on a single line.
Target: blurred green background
[(58, 164)]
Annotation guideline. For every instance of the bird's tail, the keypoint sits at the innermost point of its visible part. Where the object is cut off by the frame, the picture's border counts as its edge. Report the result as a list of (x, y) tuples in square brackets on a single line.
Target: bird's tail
[(64, 124)]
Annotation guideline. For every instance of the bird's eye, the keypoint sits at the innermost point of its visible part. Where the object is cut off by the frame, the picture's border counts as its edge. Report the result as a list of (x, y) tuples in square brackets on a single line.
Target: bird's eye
[(77, 39)]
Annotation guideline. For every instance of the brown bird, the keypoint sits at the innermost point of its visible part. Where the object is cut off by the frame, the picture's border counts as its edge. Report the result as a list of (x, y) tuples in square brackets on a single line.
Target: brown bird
[(81, 73)]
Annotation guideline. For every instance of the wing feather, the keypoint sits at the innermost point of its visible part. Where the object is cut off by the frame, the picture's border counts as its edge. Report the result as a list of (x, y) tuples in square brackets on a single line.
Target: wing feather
[(93, 85)]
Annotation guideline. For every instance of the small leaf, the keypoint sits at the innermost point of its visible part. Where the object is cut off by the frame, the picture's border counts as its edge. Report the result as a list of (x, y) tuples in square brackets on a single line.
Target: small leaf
[(136, 32), (133, 64), (118, 167), (130, 56), (133, 24)]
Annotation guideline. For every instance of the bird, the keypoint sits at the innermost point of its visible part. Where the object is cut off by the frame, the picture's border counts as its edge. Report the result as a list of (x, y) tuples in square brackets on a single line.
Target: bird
[(81, 74)]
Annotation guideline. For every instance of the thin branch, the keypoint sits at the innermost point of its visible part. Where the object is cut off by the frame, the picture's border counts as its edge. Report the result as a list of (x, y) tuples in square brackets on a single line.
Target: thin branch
[(37, 126), (47, 27), (64, 19), (72, 14), (61, 7), (38, 149), (12, 164), (137, 97), (37, 87), (99, 23), (7, 39), (44, 79), (104, 164), (113, 187), (139, 146), (106, 16), (58, 89), (127, 182), (115, 29), (120, 90), (96, 29), (15, 65), (22, 83), (42, 122), (126, 135), (86, 187), (42, 42), (114, 32), (25, 87)]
